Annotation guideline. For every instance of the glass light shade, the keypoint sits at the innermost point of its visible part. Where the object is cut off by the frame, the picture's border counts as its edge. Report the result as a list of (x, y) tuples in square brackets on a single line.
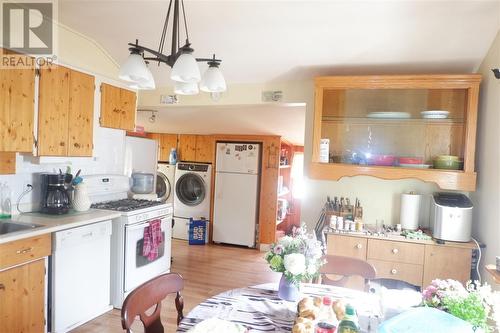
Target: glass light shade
[(145, 85), (213, 80), (182, 88), (134, 69), (186, 69)]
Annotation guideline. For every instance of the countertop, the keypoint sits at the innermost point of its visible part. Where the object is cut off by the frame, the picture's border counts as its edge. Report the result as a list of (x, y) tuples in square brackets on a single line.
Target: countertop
[(53, 223), (398, 238)]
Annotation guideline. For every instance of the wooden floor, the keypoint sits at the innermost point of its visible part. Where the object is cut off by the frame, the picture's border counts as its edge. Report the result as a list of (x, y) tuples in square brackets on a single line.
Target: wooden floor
[(207, 271)]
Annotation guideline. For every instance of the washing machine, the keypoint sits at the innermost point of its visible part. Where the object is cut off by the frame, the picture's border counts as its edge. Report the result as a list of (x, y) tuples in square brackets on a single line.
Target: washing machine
[(165, 180), (191, 195)]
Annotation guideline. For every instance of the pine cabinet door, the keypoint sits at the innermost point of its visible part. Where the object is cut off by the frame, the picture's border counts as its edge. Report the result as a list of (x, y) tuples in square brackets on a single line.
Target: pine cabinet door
[(187, 148), (53, 111), (7, 163), (204, 149), (446, 262), (118, 107), (22, 298), (167, 142), (81, 114), (17, 95)]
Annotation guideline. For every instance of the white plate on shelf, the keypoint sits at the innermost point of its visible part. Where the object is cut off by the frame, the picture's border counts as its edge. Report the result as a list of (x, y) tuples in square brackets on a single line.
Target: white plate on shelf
[(415, 166), (389, 115), (434, 114)]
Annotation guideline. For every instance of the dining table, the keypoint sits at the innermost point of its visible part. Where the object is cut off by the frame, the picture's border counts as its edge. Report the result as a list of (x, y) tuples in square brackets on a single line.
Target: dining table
[(259, 309)]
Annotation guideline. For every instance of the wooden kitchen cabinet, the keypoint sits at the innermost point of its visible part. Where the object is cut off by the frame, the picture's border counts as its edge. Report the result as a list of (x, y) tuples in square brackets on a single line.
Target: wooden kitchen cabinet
[(65, 112), (196, 148), (165, 144), (354, 247), (205, 149), (187, 148), (7, 163), (22, 298), (17, 106), (22, 284), (416, 262), (118, 107), (372, 121), (447, 263)]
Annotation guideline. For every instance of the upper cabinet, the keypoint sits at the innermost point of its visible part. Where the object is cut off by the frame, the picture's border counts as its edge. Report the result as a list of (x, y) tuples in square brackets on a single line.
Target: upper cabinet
[(17, 96), (165, 144), (397, 127), (65, 112), (118, 107), (196, 148)]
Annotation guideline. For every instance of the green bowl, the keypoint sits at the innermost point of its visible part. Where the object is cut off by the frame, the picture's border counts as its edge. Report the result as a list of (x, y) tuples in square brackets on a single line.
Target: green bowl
[(447, 158), (448, 164)]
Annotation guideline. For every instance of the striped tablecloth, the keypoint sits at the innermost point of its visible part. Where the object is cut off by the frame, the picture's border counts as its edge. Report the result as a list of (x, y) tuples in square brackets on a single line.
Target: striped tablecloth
[(261, 310)]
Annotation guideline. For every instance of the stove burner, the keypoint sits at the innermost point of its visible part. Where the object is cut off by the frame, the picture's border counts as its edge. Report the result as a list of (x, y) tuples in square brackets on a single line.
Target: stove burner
[(125, 205)]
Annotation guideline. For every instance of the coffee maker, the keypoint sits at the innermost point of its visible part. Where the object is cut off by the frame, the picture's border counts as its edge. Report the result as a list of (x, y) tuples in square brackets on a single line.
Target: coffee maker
[(55, 197)]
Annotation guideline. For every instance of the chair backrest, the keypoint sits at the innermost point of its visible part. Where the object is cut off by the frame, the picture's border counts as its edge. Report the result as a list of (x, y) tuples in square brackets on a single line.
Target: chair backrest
[(345, 267), (149, 294)]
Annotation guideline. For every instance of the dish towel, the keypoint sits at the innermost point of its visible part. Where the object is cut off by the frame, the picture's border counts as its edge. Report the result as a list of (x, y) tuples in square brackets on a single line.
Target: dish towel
[(152, 240)]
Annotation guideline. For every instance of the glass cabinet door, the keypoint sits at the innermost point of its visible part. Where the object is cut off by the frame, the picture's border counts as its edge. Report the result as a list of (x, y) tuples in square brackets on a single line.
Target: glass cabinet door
[(407, 128)]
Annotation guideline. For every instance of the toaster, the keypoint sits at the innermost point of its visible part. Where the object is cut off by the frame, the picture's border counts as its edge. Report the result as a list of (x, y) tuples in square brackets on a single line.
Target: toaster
[(451, 217)]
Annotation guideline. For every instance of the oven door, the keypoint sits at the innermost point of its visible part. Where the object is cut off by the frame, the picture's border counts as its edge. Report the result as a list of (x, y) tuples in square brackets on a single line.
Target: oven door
[(138, 269)]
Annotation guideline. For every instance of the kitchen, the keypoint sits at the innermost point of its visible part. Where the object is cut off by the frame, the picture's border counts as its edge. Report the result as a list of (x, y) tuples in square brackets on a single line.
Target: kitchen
[(93, 84)]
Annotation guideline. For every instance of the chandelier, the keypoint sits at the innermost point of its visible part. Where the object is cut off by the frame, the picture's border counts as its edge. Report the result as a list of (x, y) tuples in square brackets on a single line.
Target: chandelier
[(185, 72)]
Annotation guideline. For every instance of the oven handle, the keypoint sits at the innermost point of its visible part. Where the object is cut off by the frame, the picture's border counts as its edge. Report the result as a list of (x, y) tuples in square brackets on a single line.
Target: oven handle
[(141, 225)]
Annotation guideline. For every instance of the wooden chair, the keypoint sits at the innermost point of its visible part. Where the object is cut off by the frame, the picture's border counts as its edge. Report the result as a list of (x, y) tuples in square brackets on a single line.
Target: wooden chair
[(149, 294), (345, 267)]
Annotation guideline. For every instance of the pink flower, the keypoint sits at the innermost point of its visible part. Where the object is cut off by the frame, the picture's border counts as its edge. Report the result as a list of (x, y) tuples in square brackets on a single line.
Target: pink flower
[(278, 249)]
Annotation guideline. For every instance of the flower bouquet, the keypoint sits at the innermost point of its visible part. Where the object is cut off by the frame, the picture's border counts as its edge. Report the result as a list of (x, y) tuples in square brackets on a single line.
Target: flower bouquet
[(474, 303), (298, 257)]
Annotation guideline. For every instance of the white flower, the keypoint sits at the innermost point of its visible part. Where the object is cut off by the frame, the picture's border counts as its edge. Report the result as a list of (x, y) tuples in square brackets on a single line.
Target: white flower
[(295, 263), (285, 241), (311, 269)]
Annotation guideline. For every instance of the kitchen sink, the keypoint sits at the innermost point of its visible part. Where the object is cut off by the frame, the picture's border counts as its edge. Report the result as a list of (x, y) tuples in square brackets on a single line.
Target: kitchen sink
[(8, 227)]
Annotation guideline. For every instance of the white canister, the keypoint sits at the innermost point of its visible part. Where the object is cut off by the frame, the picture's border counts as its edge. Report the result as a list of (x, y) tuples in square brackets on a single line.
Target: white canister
[(81, 200), (324, 151), (340, 223), (410, 210)]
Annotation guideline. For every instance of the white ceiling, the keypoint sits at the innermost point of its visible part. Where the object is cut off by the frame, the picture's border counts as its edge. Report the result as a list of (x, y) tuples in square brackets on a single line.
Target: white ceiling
[(287, 121), (266, 41)]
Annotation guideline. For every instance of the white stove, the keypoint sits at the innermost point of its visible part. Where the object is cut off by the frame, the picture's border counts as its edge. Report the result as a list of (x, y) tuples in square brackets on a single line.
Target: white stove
[(129, 267)]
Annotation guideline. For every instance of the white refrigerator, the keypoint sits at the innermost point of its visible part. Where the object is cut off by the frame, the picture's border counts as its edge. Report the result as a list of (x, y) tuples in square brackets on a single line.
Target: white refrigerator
[(236, 193)]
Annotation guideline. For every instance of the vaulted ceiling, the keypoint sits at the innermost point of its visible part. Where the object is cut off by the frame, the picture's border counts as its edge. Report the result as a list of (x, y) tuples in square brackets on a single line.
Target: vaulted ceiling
[(266, 41)]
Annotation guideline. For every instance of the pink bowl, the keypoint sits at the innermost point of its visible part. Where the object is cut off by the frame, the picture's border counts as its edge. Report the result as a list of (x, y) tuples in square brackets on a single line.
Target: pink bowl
[(382, 160), (411, 160)]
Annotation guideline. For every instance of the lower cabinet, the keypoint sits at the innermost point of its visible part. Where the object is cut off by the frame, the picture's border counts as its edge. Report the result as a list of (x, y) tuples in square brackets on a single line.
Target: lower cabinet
[(22, 284), (412, 262), (22, 298)]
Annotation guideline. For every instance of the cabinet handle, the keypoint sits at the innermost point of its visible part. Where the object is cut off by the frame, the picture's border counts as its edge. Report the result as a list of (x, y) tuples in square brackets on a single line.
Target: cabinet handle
[(359, 246), (2, 286), (23, 251), (394, 271), (395, 251)]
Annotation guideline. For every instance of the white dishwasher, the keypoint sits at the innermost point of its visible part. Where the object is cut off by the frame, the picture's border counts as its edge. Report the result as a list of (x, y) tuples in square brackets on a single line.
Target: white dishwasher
[(79, 288)]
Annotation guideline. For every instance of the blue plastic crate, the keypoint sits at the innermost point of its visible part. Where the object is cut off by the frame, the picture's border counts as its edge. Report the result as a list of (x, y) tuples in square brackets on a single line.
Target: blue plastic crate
[(198, 232)]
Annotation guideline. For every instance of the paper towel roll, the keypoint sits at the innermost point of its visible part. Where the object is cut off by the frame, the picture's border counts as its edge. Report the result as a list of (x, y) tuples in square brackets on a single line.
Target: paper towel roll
[(410, 210)]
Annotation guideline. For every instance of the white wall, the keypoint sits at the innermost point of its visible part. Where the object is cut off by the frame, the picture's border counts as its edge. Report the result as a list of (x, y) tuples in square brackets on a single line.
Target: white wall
[(486, 199), (78, 52)]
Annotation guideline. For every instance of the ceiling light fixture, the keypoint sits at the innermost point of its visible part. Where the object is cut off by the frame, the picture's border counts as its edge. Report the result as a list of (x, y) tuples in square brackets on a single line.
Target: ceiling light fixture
[(185, 71), (151, 118)]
